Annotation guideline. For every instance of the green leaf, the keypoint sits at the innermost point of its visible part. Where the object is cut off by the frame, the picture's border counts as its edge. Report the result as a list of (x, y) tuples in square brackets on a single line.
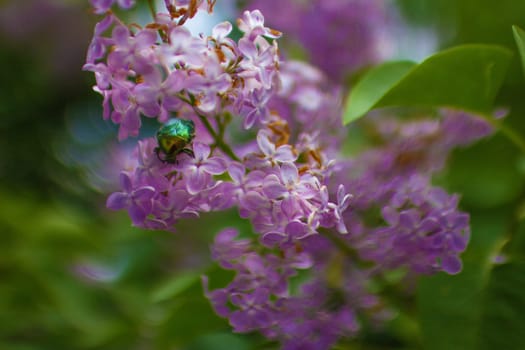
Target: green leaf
[(176, 286), (466, 77), (373, 87), (519, 36), (188, 318), (502, 320), (483, 307), (471, 172), (221, 341)]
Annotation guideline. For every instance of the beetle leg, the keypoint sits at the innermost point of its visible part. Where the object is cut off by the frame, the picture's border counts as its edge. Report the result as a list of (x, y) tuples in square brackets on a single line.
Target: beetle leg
[(157, 152), (188, 152)]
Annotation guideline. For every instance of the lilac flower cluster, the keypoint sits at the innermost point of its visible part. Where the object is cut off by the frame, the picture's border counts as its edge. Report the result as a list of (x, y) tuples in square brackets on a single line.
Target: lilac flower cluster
[(339, 36), (315, 316), (138, 74), (319, 217), (414, 225), (422, 230)]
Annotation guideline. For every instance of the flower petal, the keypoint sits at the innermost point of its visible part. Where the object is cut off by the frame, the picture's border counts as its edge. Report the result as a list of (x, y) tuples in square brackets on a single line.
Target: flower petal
[(143, 193), (214, 166), (272, 239), (451, 264), (201, 151), (137, 214), (289, 174), (265, 145), (117, 201), (236, 171), (296, 229), (284, 154), (272, 187), (221, 30), (125, 182), (197, 181)]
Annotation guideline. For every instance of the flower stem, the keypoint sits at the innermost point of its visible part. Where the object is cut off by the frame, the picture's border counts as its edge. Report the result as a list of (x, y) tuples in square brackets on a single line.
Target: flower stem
[(343, 247), (219, 142), (217, 137), (151, 7)]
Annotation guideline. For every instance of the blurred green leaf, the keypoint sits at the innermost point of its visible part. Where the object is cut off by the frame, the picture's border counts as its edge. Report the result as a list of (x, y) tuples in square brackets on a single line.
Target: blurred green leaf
[(483, 307), (470, 21), (503, 307), (519, 36), (375, 84), (466, 77), (429, 13), (220, 341), (188, 318), (491, 22), (175, 286), (486, 174)]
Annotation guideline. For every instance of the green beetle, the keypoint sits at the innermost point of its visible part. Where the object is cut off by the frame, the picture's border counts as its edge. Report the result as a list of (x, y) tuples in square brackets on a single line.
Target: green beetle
[(173, 137)]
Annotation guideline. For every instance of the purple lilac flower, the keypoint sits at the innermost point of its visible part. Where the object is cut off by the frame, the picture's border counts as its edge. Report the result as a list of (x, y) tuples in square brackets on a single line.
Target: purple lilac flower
[(419, 226), (461, 129), (199, 170), (272, 155), (138, 200), (424, 230), (314, 316), (331, 214), (306, 101), (101, 6), (422, 145), (340, 36), (140, 75)]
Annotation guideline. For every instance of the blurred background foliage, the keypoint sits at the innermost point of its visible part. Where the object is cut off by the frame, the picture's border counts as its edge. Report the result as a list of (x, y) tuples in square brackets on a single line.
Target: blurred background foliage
[(76, 276)]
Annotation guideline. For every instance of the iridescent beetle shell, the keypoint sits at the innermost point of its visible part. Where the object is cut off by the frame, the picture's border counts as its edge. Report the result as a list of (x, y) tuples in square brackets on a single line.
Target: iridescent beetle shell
[(173, 137)]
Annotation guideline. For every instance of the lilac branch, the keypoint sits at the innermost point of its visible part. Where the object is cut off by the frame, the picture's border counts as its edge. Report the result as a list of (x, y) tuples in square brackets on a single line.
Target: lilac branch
[(342, 245), (217, 137)]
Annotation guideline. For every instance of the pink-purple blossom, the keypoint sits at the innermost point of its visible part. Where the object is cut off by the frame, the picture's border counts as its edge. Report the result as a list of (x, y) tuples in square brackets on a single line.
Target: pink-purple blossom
[(101, 6), (139, 74), (339, 36), (138, 200)]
